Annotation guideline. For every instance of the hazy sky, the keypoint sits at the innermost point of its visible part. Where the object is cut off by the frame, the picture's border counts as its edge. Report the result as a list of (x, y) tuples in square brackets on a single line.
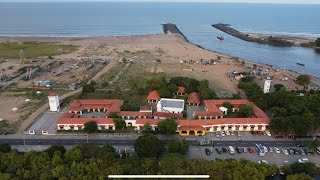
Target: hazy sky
[(247, 1)]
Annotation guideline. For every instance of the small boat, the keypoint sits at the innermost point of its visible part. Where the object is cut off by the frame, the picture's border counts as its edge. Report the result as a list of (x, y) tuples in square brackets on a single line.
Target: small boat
[(220, 38), (300, 64)]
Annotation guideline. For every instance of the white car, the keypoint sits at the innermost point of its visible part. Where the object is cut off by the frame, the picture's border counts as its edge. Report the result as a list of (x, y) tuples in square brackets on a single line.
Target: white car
[(239, 134), (227, 133), (303, 160), (268, 133), (232, 133), (277, 150), (263, 162), (222, 134), (270, 149), (265, 149), (285, 151)]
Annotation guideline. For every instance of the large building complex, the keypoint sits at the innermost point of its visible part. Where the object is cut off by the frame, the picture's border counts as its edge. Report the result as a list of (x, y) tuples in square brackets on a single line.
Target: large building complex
[(211, 119)]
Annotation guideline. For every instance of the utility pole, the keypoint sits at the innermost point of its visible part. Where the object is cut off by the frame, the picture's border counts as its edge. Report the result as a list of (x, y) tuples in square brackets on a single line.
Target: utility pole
[(87, 138)]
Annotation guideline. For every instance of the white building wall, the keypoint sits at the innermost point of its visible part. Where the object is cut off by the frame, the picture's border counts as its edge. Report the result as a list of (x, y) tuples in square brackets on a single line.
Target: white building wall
[(54, 103), (267, 86)]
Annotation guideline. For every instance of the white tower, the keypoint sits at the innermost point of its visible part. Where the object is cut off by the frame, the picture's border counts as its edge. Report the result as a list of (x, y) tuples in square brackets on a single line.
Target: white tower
[(54, 102), (267, 86)]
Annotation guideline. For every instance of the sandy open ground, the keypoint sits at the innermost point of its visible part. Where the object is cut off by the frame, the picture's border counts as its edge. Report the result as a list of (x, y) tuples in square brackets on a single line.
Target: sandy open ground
[(168, 53)]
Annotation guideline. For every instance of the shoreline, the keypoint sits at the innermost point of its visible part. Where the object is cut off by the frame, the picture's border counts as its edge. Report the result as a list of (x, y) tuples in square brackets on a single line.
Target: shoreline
[(178, 32)]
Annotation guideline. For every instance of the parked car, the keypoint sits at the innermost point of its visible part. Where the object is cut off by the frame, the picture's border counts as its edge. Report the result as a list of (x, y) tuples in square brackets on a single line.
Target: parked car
[(270, 149), (218, 151), (303, 160), (244, 150), (251, 149), (264, 133), (238, 150), (302, 152), (285, 151), (227, 133), (263, 162), (217, 134), (265, 149), (277, 150), (224, 150), (268, 133), (222, 134), (232, 133), (239, 134), (300, 145), (291, 151), (208, 153)]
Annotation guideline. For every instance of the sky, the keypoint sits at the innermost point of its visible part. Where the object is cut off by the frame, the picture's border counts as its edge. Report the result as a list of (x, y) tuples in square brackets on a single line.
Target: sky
[(238, 1)]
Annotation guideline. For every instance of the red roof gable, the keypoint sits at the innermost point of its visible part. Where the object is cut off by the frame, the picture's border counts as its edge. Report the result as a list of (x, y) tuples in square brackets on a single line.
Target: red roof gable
[(148, 121), (194, 98), (168, 115), (153, 95), (112, 105), (53, 94), (181, 90), (134, 113), (82, 121)]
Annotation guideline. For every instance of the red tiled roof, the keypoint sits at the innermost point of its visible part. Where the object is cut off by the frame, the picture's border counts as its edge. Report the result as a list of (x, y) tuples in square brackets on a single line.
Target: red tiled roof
[(194, 98), (112, 105), (134, 113), (181, 90), (224, 121), (148, 121), (153, 95), (213, 107), (82, 121), (52, 94), (168, 115)]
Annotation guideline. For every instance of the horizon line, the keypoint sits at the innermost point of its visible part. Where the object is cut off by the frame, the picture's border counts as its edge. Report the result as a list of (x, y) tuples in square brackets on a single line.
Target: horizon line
[(161, 1)]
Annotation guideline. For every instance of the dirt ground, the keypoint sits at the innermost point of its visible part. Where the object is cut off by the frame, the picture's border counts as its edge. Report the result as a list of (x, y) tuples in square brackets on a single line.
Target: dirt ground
[(7, 103)]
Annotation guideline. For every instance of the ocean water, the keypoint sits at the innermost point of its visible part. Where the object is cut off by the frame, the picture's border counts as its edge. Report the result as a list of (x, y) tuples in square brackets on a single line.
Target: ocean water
[(193, 19)]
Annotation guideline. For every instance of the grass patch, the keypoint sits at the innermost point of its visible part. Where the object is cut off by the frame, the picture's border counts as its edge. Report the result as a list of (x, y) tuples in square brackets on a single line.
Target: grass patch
[(11, 50)]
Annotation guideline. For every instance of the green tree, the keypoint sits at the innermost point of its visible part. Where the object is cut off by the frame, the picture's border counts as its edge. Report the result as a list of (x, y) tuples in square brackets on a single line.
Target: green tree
[(167, 126), (164, 92), (303, 79), (146, 129), (246, 110), (172, 88), (54, 148), (5, 148), (172, 164), (278, 112), (148, 145), (93, 83), (301, 176), (88, 88), (247, 79), (278, 87), (113, 115), (308, 168), (178, 146), (91, 127), (119, 123), (227, 105)]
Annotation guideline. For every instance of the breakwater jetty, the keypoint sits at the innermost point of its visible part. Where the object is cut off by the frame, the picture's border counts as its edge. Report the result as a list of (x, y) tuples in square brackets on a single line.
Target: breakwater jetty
[(173, 29), (275, 41)]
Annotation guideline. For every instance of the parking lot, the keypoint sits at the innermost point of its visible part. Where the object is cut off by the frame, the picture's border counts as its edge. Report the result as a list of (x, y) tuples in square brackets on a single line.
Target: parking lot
[(270, 157)]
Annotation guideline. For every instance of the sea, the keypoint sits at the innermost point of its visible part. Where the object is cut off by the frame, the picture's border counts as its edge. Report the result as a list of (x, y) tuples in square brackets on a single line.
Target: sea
[(193, 19)]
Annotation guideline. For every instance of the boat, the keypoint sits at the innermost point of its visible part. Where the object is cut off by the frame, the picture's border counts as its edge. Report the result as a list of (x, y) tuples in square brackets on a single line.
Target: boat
[(220, 38), (300, 64)]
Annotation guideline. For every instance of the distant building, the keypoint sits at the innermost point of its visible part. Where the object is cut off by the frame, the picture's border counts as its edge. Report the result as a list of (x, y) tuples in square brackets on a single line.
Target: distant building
[(267, 86), (181, 91), (170, 105), (194, 99), (54, 102), (153, 97)]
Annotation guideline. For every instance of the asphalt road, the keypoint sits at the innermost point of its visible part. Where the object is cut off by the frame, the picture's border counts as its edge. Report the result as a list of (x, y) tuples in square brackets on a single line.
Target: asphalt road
[(217, 143)]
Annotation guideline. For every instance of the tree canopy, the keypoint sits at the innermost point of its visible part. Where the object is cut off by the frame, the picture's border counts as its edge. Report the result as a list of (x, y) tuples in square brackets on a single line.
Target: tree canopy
[(303, 79), (119, 123), (148, 145), (167, 126), (178, 146), (318, 42), (246, 110), (91, 127)]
